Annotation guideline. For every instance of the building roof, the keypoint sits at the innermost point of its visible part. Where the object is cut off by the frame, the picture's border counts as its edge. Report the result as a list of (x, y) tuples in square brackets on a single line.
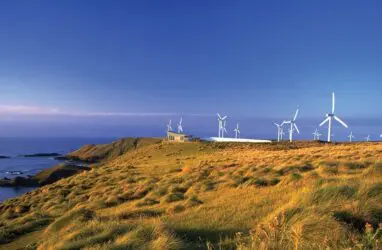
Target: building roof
[(175, 133)]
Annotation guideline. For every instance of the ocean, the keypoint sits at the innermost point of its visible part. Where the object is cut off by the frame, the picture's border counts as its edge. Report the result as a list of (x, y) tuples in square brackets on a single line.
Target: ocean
[(15, 148)]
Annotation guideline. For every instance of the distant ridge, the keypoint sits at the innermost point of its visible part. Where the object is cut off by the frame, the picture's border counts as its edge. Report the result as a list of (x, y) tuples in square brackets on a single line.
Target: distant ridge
[(95, 153)]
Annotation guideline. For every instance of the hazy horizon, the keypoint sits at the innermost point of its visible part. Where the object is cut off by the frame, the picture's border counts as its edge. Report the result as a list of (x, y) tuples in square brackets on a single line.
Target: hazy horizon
[(118, 68)]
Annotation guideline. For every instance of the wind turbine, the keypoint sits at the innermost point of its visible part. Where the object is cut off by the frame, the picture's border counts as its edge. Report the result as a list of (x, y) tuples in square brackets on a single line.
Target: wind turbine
[(367, 138), (329, 118), (169, 128), (316, 135), (237, 131), (222, 122), (180, 128), (351, 136), (292, 126), (280, 131)]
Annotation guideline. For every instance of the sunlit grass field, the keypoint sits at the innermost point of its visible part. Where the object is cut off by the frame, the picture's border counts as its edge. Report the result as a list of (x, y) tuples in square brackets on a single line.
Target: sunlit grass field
[(306, 195)]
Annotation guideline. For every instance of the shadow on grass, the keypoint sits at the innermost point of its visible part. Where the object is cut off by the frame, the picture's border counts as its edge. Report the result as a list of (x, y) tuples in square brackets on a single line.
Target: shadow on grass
[(198, 238)]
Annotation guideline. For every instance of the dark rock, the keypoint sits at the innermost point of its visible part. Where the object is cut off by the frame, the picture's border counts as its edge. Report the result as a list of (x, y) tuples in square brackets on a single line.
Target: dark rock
[(61, 158), (59, 172), (14, 172), (4, 157), (23, 182), (42, 155), (18, 182), (45, 177)]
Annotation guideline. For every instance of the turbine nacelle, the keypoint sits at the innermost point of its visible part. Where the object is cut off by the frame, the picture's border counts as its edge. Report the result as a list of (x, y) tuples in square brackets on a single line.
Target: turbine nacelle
[(330, 117)]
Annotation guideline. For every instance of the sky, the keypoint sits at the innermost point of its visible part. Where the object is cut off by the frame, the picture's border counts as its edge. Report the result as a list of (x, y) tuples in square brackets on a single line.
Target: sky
[(117, 68)]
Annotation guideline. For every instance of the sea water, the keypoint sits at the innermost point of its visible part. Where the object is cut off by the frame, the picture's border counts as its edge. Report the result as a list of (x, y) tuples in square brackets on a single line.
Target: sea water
[(16, 148)]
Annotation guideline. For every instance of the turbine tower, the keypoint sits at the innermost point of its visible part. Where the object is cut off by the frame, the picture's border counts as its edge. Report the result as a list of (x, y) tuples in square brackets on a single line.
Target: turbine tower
[(169, 128), (329, 118), (280, 131), (237, 131), (351, 136), (221, 122), (180, 127), (316, 135), (367, 138), (293, 126)]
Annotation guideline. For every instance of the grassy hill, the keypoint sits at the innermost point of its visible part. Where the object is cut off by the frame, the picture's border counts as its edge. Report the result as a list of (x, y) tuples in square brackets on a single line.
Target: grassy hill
[(209, 196), (94, 153)]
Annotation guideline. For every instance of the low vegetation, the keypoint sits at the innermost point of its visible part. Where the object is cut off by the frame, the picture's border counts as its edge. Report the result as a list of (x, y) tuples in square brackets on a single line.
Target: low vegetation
[(209, 196), (94, 153)]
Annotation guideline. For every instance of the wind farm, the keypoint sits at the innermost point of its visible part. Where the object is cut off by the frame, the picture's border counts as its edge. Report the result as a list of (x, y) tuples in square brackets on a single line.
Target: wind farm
[(290, 125), (190, 125)]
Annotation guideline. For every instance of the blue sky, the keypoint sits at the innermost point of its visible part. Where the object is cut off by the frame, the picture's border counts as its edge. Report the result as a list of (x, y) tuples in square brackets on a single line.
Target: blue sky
[(123, 68)]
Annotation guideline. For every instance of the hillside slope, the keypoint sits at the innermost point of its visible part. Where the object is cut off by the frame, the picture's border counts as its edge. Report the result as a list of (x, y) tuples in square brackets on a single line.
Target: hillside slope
[(97, 152), (209, 196)]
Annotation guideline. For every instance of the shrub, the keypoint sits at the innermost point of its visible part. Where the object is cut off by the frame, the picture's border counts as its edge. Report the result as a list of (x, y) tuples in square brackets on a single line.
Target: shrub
[(350, 219), (261, 182), (5, 236), (147, 202), (208, 185), (173, 197), (176, 209), (355, 165), (193, 201), (274, 181), (333, 193), (295, 177), (179, 189), (160, 191), (306, 168), (375, 191)]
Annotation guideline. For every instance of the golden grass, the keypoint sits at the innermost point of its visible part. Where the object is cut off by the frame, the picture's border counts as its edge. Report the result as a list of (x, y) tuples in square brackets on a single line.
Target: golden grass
[(212, 196)]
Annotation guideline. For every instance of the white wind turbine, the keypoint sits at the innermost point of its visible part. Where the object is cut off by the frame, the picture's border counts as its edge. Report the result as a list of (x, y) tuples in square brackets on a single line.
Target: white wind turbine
[(180, 127), (280, 131), (222, 122), (367, 138), (293, 126), (316, 135), (329, 118), (169, 128), (351, 136), (237, 131)]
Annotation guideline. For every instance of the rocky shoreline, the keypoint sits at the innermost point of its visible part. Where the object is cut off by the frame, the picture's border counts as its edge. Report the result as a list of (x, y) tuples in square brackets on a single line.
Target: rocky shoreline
[(41, 155), (76, 161), (45, 177)]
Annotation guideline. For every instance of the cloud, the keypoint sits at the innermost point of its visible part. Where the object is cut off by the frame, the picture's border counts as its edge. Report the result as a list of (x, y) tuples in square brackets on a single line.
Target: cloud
[(26, 110), (36, 110)]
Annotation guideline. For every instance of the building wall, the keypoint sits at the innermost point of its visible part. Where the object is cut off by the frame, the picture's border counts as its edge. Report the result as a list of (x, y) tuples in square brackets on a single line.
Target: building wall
[(175, 137)]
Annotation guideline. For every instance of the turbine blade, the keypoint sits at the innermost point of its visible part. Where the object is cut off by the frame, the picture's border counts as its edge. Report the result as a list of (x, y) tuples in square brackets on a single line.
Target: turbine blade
[(295, 115), (325, 121), (225, 117), (286, 122), (340, 121), (295, 126), (333, 102)]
